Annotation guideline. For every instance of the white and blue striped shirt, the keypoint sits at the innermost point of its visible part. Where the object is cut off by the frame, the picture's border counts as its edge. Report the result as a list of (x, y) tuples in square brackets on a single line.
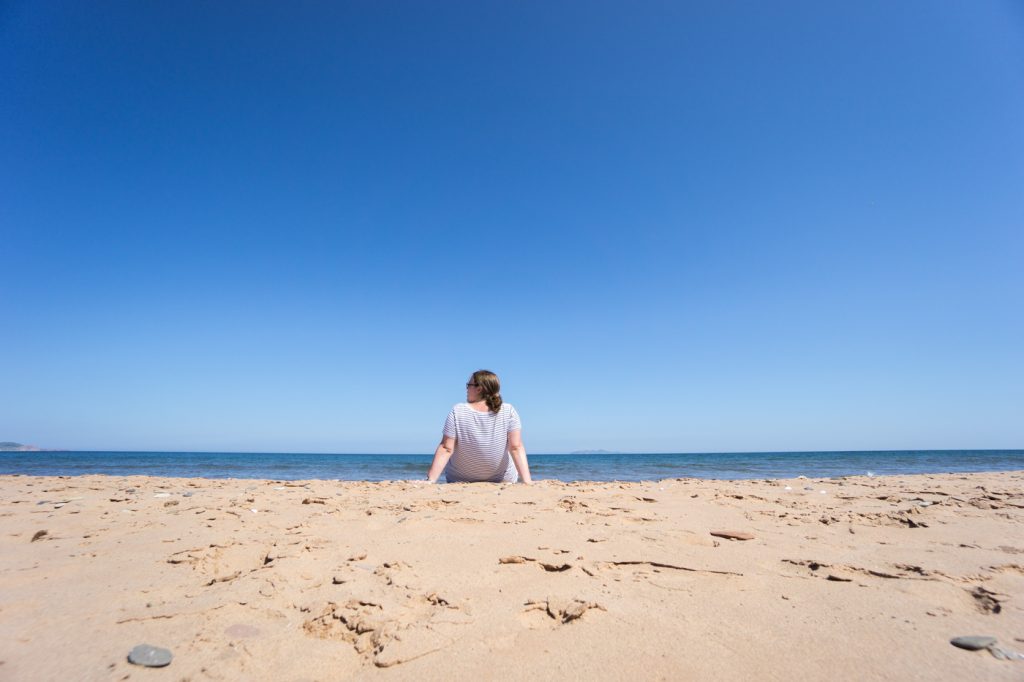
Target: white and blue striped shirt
[(481, 444)]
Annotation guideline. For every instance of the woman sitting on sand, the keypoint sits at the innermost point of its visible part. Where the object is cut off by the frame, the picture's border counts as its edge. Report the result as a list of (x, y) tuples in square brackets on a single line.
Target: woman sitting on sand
[(482, 437)]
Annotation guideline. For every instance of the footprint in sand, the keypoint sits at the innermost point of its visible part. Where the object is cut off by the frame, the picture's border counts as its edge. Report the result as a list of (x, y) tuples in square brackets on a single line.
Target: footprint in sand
[(555, 611), (223, 563), (386, 631)]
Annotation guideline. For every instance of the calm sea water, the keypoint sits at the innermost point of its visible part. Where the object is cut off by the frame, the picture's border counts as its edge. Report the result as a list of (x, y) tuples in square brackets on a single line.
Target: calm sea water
[(601, 467)]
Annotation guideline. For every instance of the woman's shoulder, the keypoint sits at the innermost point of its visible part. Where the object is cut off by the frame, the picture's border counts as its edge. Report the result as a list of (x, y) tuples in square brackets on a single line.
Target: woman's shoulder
[(505, 409), (464, 407)]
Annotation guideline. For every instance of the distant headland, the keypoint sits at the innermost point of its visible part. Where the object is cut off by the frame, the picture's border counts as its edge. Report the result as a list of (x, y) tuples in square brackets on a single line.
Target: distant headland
[(7, 446), (596, 452)]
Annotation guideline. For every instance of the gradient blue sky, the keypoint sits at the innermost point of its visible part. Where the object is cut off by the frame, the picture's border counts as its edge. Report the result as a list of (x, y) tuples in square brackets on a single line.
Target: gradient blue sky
[(667, 226)]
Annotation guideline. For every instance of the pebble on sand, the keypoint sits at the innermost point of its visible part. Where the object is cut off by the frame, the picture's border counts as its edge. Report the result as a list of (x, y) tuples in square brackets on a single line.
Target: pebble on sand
[(973, 642), (149, 656)]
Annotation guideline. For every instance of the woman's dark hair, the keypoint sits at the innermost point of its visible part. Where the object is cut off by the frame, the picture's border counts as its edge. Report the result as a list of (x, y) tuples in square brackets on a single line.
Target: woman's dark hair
[(490, 388)]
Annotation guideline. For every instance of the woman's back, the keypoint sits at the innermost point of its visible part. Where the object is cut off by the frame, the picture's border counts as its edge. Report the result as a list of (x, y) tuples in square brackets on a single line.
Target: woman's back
[(483, 439), (481, 444)]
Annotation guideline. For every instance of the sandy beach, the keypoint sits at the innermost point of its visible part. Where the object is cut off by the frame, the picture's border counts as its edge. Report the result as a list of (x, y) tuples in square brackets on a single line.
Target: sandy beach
[(855, 578)]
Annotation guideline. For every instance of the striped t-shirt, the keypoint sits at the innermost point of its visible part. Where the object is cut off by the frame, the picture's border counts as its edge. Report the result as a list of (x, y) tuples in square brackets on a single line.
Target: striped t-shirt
[(481, 444)]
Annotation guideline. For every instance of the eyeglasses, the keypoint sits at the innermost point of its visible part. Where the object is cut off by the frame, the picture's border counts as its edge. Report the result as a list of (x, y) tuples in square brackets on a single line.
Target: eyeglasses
[(472, 385)]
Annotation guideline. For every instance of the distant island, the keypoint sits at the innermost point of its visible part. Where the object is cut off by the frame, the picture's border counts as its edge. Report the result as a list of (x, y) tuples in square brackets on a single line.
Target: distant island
[(596, 452), (18, 447)]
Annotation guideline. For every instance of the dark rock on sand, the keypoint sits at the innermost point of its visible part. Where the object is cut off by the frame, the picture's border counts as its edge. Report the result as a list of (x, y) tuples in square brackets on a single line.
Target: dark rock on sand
[(149, 656), (973, 642)]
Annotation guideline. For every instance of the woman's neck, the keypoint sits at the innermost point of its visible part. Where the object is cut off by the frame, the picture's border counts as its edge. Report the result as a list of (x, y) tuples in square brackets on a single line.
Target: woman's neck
[(480, 406)]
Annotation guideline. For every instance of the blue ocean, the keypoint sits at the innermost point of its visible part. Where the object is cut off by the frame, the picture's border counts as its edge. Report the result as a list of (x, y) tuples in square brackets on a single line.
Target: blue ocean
[(587, 467)]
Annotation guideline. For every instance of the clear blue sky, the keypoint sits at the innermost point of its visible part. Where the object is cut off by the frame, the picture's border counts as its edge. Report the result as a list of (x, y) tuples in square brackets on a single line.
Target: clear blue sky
[(667, 226)]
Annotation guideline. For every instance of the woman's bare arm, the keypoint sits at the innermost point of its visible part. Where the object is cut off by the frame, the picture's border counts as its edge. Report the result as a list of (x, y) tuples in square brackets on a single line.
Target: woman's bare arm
[(518, 452), (441, 456)]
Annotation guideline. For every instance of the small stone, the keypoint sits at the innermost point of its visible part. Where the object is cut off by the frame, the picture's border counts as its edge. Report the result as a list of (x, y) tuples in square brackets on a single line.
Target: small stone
[(149, 656), (732, 534), (973, 642), (186, 494), (338, 580), (162, 495), (39, 535), (1005, 654)]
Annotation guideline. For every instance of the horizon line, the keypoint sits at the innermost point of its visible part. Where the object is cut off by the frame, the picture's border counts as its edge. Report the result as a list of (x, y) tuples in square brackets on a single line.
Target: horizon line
[(535, 454)]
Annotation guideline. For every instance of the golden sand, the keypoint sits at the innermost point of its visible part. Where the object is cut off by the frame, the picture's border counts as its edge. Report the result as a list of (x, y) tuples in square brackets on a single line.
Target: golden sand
[(849, 579)]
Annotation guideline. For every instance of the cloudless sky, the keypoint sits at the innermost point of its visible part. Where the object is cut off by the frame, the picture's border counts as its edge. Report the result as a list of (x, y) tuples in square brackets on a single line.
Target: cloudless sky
[(667, 226)]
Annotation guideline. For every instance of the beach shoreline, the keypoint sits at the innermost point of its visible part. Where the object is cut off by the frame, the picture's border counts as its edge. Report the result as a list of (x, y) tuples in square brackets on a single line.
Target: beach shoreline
[(841, 578), (569, 468)]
